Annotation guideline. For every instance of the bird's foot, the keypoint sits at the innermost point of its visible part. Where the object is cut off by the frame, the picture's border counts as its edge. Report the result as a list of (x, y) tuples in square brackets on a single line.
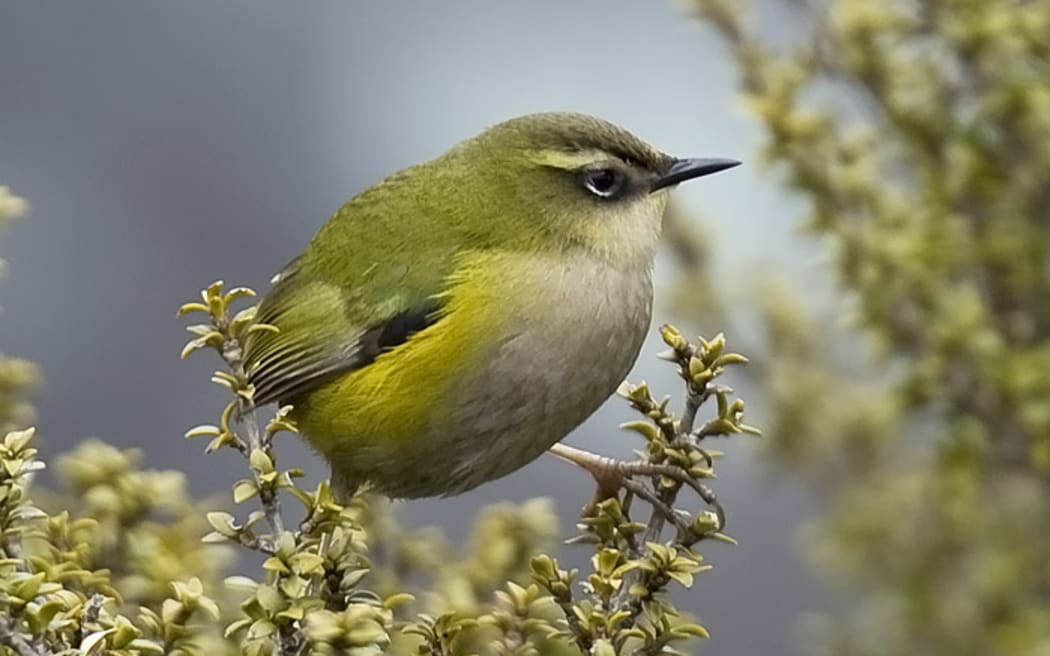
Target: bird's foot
[(612, 475)]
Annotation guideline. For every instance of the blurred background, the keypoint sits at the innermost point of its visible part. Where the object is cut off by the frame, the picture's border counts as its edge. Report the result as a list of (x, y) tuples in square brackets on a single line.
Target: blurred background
[(882, 256)]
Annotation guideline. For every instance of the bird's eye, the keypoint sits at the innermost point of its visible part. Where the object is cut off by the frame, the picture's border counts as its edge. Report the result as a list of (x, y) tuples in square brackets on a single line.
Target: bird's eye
[(603, 182)]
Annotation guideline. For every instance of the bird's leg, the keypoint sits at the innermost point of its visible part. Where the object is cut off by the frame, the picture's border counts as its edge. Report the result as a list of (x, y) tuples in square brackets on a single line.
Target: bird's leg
[(610, 474), (607, 472)]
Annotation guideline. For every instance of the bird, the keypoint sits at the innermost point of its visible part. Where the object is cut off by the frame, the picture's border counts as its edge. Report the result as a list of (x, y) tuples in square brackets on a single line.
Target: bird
[(451, 323)]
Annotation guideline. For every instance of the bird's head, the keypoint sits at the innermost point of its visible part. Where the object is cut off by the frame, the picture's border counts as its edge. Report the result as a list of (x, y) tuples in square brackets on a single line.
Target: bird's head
[(573, 181)]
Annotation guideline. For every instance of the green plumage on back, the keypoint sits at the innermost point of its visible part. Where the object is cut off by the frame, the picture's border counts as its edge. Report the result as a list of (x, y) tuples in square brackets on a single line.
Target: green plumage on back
[(361, 271)]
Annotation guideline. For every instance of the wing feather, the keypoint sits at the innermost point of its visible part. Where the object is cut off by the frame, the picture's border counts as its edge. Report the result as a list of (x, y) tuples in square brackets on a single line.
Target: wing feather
[(358, 289), (313, 346)]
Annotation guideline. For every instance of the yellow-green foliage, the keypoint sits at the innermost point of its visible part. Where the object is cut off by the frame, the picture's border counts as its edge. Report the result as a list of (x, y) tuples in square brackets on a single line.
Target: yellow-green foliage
[(121, 561), (145, 530), (919, 132)]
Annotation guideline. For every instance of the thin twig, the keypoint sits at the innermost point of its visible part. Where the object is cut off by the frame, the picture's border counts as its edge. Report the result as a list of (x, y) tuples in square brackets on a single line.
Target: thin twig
[(692, 404), (90, 615), (232, 355), (582, 640), (661, 510), (316, 583), (656, 521), (18, 642), (682, 477)]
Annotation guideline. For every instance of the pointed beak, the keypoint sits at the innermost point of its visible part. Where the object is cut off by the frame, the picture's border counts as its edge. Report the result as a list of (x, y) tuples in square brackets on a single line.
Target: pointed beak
[(687, 169)]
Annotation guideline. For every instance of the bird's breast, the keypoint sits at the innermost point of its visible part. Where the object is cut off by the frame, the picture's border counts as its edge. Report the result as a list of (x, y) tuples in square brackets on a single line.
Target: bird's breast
[(555, 339)]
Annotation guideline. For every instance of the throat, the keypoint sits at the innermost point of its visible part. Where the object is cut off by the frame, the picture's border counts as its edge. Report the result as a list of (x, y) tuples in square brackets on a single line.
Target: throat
[(626, 237)]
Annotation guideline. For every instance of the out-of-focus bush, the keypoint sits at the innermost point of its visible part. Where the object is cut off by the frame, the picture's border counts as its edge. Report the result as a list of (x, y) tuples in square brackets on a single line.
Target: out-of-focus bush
[(919, 132), (17, 376)]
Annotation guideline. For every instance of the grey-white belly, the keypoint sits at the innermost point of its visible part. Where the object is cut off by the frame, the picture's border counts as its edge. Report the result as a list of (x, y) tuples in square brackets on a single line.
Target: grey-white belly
[(570, 348)]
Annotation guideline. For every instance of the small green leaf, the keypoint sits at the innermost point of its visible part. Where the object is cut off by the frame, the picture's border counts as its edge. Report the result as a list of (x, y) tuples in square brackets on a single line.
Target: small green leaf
[(236, 627), (223, 523), (270, 599), (691, 630), (186, 308), (306, 564), (261, 629), (244, 490), (260, 461), (94, 639), (241, 583), (202, 431)]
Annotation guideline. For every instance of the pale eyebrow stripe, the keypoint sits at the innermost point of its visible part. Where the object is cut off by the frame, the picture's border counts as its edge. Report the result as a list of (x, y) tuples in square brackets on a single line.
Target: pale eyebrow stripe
[(570, 160)]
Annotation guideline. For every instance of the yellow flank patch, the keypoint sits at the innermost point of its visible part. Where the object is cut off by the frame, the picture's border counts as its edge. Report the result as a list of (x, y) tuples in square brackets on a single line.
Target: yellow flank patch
[(392, 400)]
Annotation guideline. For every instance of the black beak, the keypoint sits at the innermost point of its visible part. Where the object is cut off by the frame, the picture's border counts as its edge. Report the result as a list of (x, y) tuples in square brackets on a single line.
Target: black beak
[(687, 169)]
